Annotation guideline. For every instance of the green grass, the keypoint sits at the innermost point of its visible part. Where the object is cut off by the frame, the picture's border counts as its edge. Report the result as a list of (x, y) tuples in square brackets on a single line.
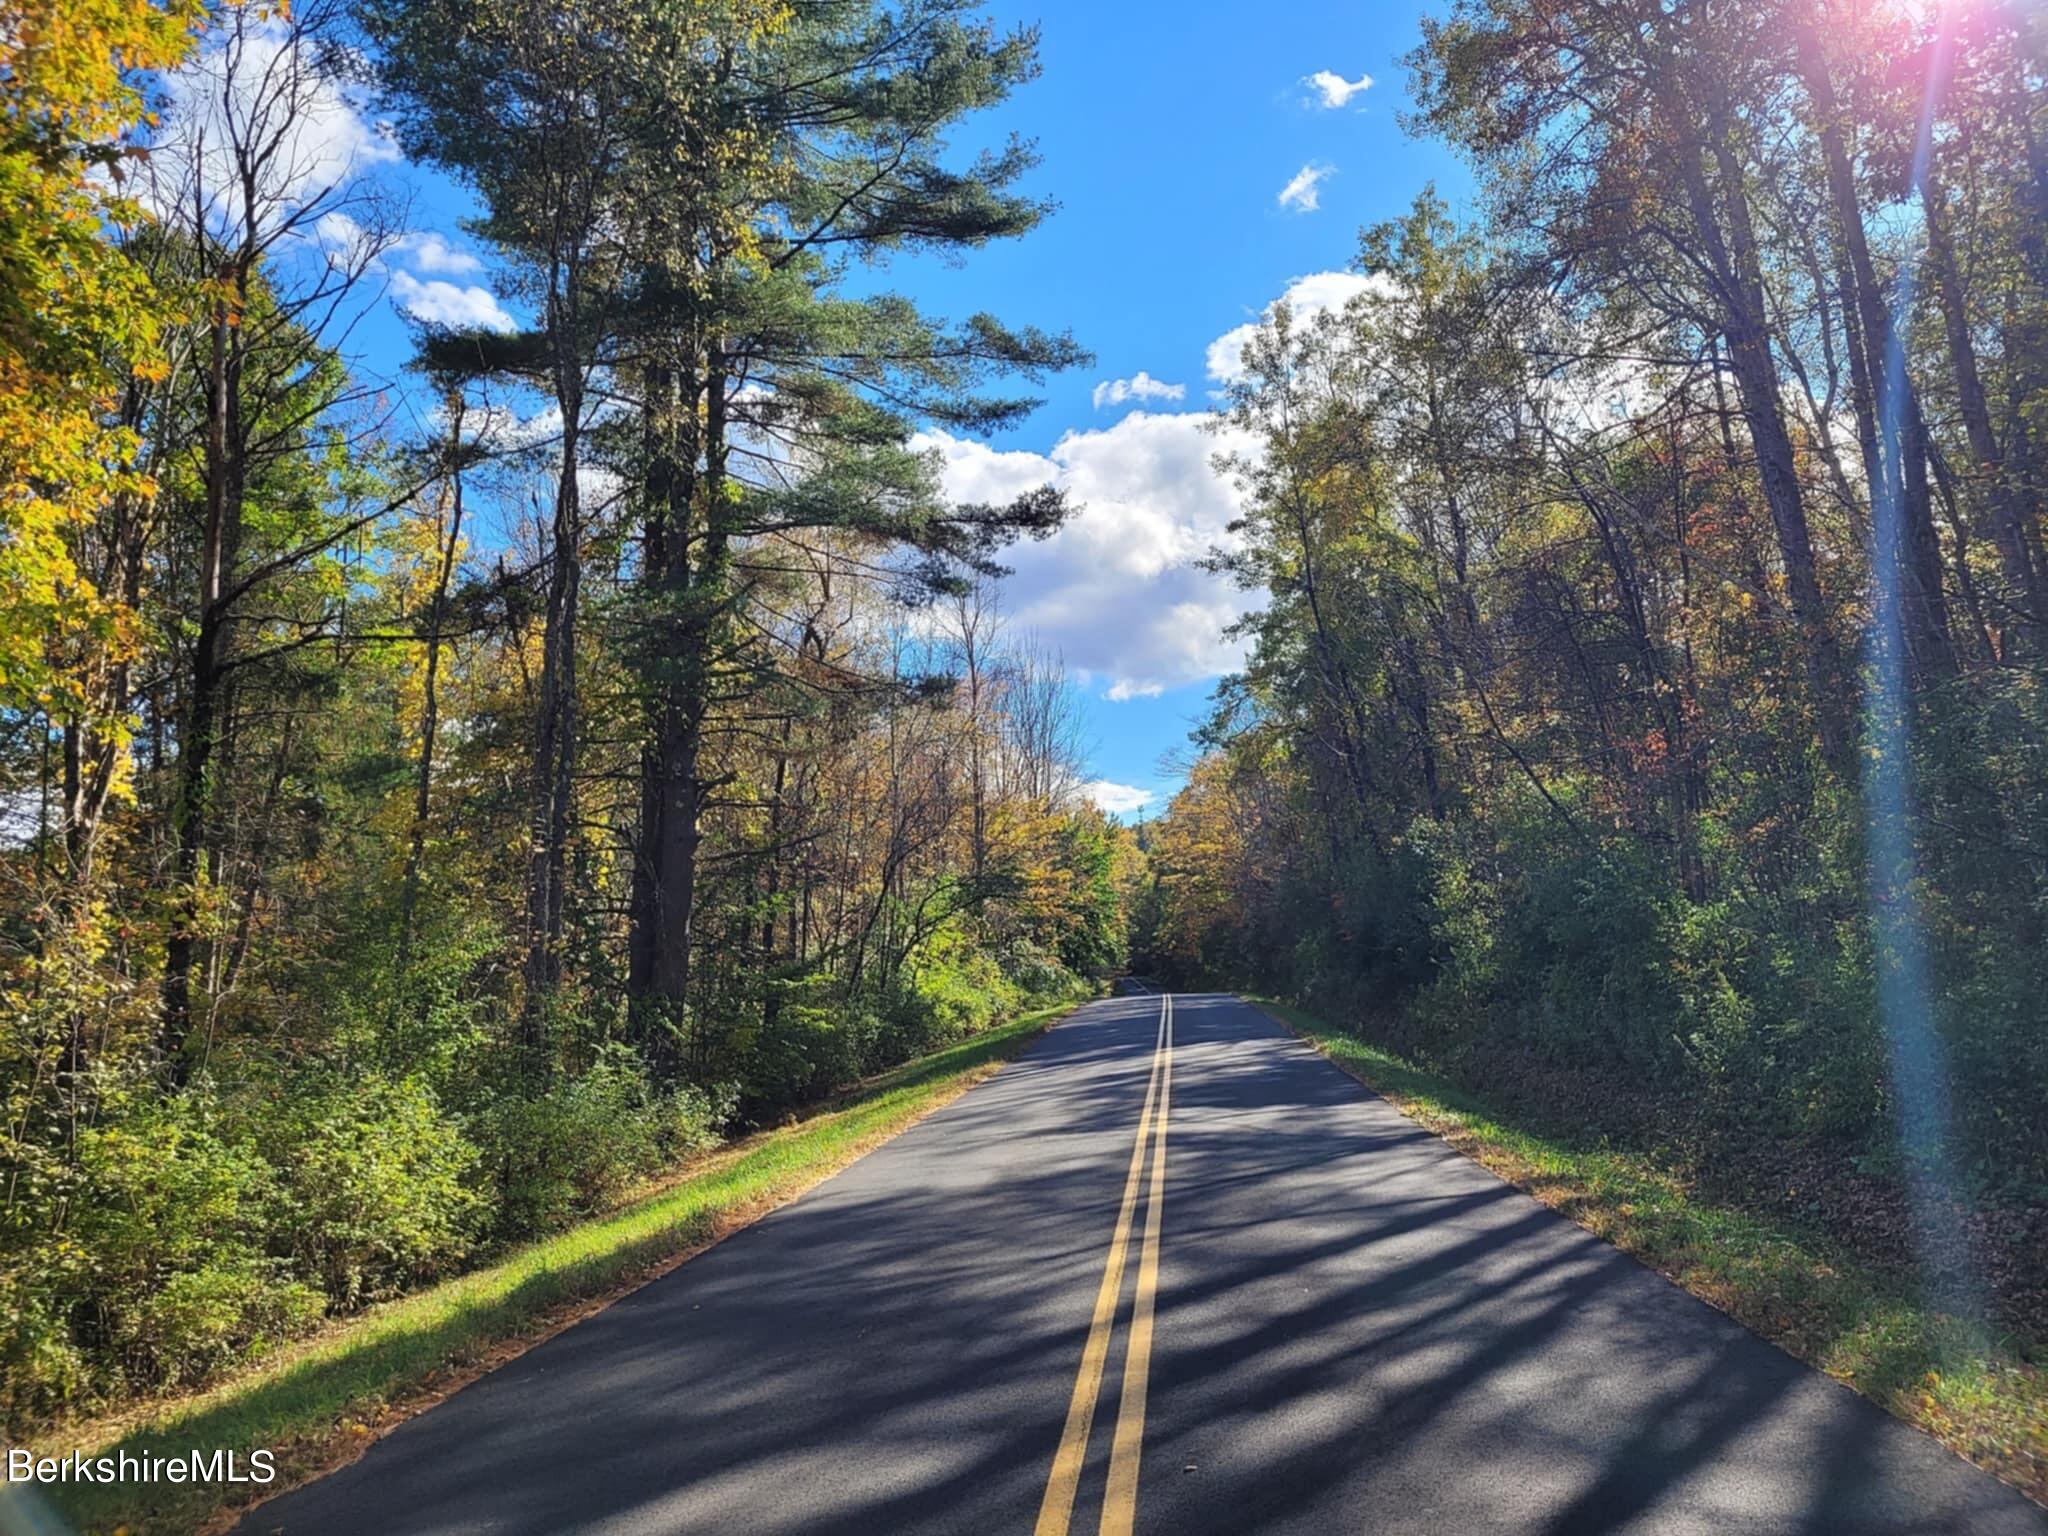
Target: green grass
[(309, 1403), (1977, 1393)]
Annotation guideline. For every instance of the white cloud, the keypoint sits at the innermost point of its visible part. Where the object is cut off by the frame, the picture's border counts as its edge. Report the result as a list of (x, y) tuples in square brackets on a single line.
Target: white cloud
[(1117, 799), (1142, 387), (502, 429), (1304, 193), (338, 232), (431, 252), (1117, 590), (443, 303), (1332, 90), (346, 242), (257, 83), (1306, 297)]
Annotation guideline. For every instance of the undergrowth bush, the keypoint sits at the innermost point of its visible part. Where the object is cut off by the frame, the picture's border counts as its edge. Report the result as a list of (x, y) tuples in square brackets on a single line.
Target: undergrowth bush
[(374, 1187), (577, 1146)]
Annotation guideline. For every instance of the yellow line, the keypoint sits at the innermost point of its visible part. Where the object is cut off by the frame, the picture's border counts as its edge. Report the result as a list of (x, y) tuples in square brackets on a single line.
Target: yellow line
[(1058, 1506), (1120, 1503)]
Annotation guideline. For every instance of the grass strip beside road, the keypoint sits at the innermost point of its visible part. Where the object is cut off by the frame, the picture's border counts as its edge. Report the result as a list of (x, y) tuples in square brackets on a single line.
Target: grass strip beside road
[(1976, 1393), (316, 1404)]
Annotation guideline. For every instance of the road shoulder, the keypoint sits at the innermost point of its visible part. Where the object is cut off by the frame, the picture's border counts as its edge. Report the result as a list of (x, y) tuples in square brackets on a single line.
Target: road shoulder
[(1973, 1392)]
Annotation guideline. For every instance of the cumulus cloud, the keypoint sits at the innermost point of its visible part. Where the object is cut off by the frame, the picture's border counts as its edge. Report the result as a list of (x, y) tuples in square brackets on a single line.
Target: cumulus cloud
[(347, 243), (500, 428), (431, 252), (1117, 799), (1306, 297), (1304, 193), (443, 303), (261, 84), (340, 235), (1117, 590), (1330, 90), (1142, 387), (337, 229)]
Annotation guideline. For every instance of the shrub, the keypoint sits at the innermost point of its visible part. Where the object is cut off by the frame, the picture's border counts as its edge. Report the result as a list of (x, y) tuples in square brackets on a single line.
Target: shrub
[(374, 1188), (955, 989), (1036, 973), (581, 1144), (41, 1366), (693, 1119), (806, 1050), (171, 1221), (200, 1321)]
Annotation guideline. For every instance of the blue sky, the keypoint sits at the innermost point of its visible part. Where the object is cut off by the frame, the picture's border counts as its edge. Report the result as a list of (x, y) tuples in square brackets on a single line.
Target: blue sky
[(1168, 133)]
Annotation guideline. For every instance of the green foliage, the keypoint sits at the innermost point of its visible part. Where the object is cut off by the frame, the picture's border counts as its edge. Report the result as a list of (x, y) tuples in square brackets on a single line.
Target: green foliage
[(1549, 755), (954, 990), (1093, 940), (956, 987), (370, 1362), (206, 1228), (201, 1320), (172, 1267), (373, 1189), (576, 1147), (804, 1049), (1037, 974), (381, 896)]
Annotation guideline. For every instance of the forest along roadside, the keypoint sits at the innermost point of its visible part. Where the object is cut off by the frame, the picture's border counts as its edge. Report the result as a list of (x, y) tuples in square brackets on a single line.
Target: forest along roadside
[(324, 1403)]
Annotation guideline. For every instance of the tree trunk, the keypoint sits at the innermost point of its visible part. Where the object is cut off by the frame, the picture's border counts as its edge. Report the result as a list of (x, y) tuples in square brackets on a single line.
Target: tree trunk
[(200, 727), (554, 753), (1745, 324), (689, 604), (430, 698), (2015, 521), (1898, 474)]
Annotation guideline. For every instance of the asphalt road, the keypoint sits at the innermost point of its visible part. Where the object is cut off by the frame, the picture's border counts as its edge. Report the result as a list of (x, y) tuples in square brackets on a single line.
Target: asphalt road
[(1351, 1328)]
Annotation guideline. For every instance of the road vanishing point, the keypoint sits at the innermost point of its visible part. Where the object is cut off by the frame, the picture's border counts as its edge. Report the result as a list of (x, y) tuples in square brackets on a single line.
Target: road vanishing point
[(1168, 1271)]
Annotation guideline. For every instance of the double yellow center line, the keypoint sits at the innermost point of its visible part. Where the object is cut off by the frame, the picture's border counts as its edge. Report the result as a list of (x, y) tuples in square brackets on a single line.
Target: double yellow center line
[(1120, 1501)]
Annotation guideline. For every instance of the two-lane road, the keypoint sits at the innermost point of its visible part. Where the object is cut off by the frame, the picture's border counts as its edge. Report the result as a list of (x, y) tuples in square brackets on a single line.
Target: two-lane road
[(1169, 1271)]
